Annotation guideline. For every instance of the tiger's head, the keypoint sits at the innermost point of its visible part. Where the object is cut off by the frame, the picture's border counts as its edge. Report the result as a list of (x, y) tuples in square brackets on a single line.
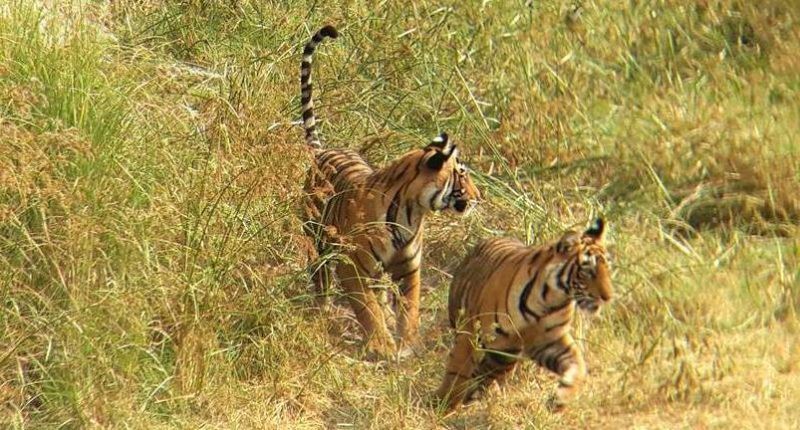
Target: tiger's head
[(445, 180), (587, 266)]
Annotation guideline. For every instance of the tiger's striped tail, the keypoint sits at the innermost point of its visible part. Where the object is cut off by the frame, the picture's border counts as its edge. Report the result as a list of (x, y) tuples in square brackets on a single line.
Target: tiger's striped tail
[(306, 102)]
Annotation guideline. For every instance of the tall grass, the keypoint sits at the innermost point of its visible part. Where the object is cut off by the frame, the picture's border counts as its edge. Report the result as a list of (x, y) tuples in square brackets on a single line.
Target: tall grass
[(151, 260)]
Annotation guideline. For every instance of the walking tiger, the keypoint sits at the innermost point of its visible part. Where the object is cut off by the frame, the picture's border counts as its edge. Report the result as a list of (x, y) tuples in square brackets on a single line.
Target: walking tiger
[(509, 301), (375, 216)]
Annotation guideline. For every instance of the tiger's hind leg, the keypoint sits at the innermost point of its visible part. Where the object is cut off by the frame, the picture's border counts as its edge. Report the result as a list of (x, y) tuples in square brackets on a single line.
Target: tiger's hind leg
[(563, 357), (321, 278), (320, 236), (319, 268), (379, 342)]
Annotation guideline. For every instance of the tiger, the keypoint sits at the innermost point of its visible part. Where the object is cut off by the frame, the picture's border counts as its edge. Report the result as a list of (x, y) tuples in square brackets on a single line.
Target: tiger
[(508, 301), (374, 218)]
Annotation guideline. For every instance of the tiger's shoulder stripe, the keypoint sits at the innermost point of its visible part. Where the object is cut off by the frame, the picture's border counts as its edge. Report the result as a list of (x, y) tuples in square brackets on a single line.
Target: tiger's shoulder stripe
[(306, 101)]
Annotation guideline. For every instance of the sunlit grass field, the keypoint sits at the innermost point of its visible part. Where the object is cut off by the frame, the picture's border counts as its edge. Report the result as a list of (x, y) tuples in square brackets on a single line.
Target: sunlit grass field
[(152, 264)]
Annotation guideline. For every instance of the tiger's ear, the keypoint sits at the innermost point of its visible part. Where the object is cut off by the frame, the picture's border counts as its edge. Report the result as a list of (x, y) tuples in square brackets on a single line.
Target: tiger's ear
[(596, 230), (439, 141), (445, 150), (567, 242)]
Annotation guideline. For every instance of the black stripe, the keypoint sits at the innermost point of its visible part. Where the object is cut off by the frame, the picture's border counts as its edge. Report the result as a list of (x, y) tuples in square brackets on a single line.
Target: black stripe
[(455, 181), (341, 168), (405, 261), (329, 31), (391, 221), (534, 354), (544, 356), (402, 172), (326, 157), (560, 356), (559, 283), (503, 357), (551, 362), (375, 254), (497, 329), (398, 278), (523, 301), (305, 75), (391, 213), (561, 324), (560, 307), (433, 198)]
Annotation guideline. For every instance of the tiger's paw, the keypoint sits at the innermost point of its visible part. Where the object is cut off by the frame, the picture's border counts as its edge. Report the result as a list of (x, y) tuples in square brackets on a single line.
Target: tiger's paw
[(431, 401), (474, 397), (323, 304), (441, 404), (380, 349), (405, 352), (555, 404), (409, 348)]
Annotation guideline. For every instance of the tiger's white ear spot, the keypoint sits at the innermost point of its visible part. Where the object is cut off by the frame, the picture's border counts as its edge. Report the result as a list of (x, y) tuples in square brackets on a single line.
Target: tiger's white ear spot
[(448, 147), (441, 142), (450, 150)]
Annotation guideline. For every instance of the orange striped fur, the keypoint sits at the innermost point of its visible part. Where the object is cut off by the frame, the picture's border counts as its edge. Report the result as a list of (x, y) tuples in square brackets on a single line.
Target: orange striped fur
[(375, 218), (509, 301)]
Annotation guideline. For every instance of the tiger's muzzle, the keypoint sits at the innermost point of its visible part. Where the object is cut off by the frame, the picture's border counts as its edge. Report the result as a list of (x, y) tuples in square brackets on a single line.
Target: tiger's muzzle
[(461, 203)]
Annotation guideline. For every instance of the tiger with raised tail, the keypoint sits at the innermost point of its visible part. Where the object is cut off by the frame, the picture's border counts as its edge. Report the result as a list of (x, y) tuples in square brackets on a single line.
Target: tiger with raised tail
[(509, 301), (375, 218)]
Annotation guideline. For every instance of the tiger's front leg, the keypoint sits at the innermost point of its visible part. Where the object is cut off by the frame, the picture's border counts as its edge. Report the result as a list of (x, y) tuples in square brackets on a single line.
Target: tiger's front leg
[(408, 308), (563, 357), (458, 380), (494, 367), (379, 342)]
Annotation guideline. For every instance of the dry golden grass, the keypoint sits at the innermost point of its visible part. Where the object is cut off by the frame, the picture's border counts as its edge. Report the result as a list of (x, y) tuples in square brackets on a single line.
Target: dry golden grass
[(151, 260)]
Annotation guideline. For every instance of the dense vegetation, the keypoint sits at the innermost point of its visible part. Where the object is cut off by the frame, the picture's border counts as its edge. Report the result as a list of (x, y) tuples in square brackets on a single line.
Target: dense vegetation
[(152, 266)]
